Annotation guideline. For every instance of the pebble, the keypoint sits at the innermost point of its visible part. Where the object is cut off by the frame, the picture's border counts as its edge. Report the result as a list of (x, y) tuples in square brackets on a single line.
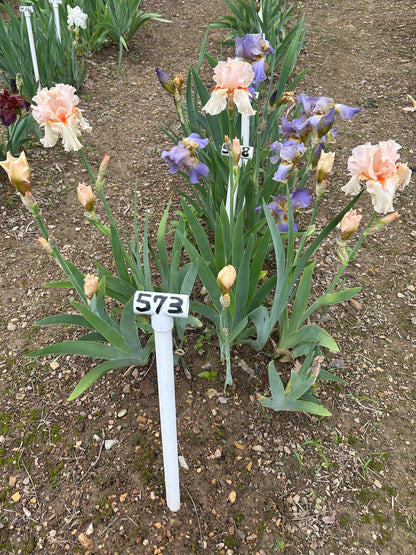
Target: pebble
[(109, 443), (183, 463), (122, 413)]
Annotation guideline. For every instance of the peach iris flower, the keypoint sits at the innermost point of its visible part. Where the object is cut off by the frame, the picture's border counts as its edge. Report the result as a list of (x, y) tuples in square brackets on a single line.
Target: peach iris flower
[(232, 78), (56, 110), (377, 165)]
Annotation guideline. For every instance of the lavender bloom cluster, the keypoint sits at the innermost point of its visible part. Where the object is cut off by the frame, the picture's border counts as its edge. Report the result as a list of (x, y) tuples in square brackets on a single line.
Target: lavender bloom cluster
[(182, 157), (317, 120)]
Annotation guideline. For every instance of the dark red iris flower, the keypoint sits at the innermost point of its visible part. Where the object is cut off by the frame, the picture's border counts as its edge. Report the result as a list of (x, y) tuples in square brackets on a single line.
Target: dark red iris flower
[(11, 105)]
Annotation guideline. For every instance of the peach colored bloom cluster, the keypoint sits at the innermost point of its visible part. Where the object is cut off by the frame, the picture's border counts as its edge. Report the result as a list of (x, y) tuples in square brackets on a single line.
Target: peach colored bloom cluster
[(56, 110), (232, 78), (377, 165)]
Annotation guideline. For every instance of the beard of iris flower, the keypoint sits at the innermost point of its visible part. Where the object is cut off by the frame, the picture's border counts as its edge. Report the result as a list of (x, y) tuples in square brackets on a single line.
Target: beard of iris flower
[(233, 78), (56, 111)]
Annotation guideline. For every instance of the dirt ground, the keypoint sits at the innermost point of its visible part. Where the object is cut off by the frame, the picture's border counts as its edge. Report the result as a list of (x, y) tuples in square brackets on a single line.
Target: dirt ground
[(256, 482)]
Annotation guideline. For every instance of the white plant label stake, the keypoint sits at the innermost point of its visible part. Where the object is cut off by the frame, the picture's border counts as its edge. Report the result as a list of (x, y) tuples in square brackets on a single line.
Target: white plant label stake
[(246, 154), (27, 10), (163, 308), (55, 5)]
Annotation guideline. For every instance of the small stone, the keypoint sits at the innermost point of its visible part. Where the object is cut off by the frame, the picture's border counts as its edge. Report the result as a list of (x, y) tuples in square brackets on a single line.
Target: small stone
[(11, 326), (210, 393), (123, 497), (122, 413), (142, 419), (109, 443), (16, 497), (377, 484), (222, 400), (86, 542), (90, 530), (232, 497), (183, 463), (355, 304)]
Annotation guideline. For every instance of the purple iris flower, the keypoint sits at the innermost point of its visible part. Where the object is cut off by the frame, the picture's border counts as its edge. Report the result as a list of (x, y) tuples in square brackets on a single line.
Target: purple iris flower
[(279, 207), (314, 104), (321, 104), (299, 128), (181, 158), (288, 151), (254, 48)]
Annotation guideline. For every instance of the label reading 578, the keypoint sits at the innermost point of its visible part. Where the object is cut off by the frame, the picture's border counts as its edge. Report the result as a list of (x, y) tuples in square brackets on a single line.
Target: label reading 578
[(152, 302)]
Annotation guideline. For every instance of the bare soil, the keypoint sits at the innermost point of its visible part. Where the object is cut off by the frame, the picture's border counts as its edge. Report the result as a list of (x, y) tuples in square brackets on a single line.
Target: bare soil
[(258, 482)]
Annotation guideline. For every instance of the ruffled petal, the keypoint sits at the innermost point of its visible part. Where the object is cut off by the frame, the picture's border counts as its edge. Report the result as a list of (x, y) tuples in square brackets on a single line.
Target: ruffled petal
[(353, 186), (217, 103), (404, 174), (282, 172), (196, 171), (382, 197), (241, 98)]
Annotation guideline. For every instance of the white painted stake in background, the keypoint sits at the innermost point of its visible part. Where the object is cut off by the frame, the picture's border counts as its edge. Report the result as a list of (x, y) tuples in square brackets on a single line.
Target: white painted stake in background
[(55, 5), (27, 10), (163, 307)]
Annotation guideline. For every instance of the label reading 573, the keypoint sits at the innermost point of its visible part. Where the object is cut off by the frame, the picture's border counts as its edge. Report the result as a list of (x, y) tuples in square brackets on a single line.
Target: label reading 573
[(152, 302)]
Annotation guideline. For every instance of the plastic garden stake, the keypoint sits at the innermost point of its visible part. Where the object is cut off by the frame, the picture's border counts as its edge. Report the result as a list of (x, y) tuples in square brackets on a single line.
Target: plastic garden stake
[(163, 307), (246, 154), (27, 10), (55, 5)]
